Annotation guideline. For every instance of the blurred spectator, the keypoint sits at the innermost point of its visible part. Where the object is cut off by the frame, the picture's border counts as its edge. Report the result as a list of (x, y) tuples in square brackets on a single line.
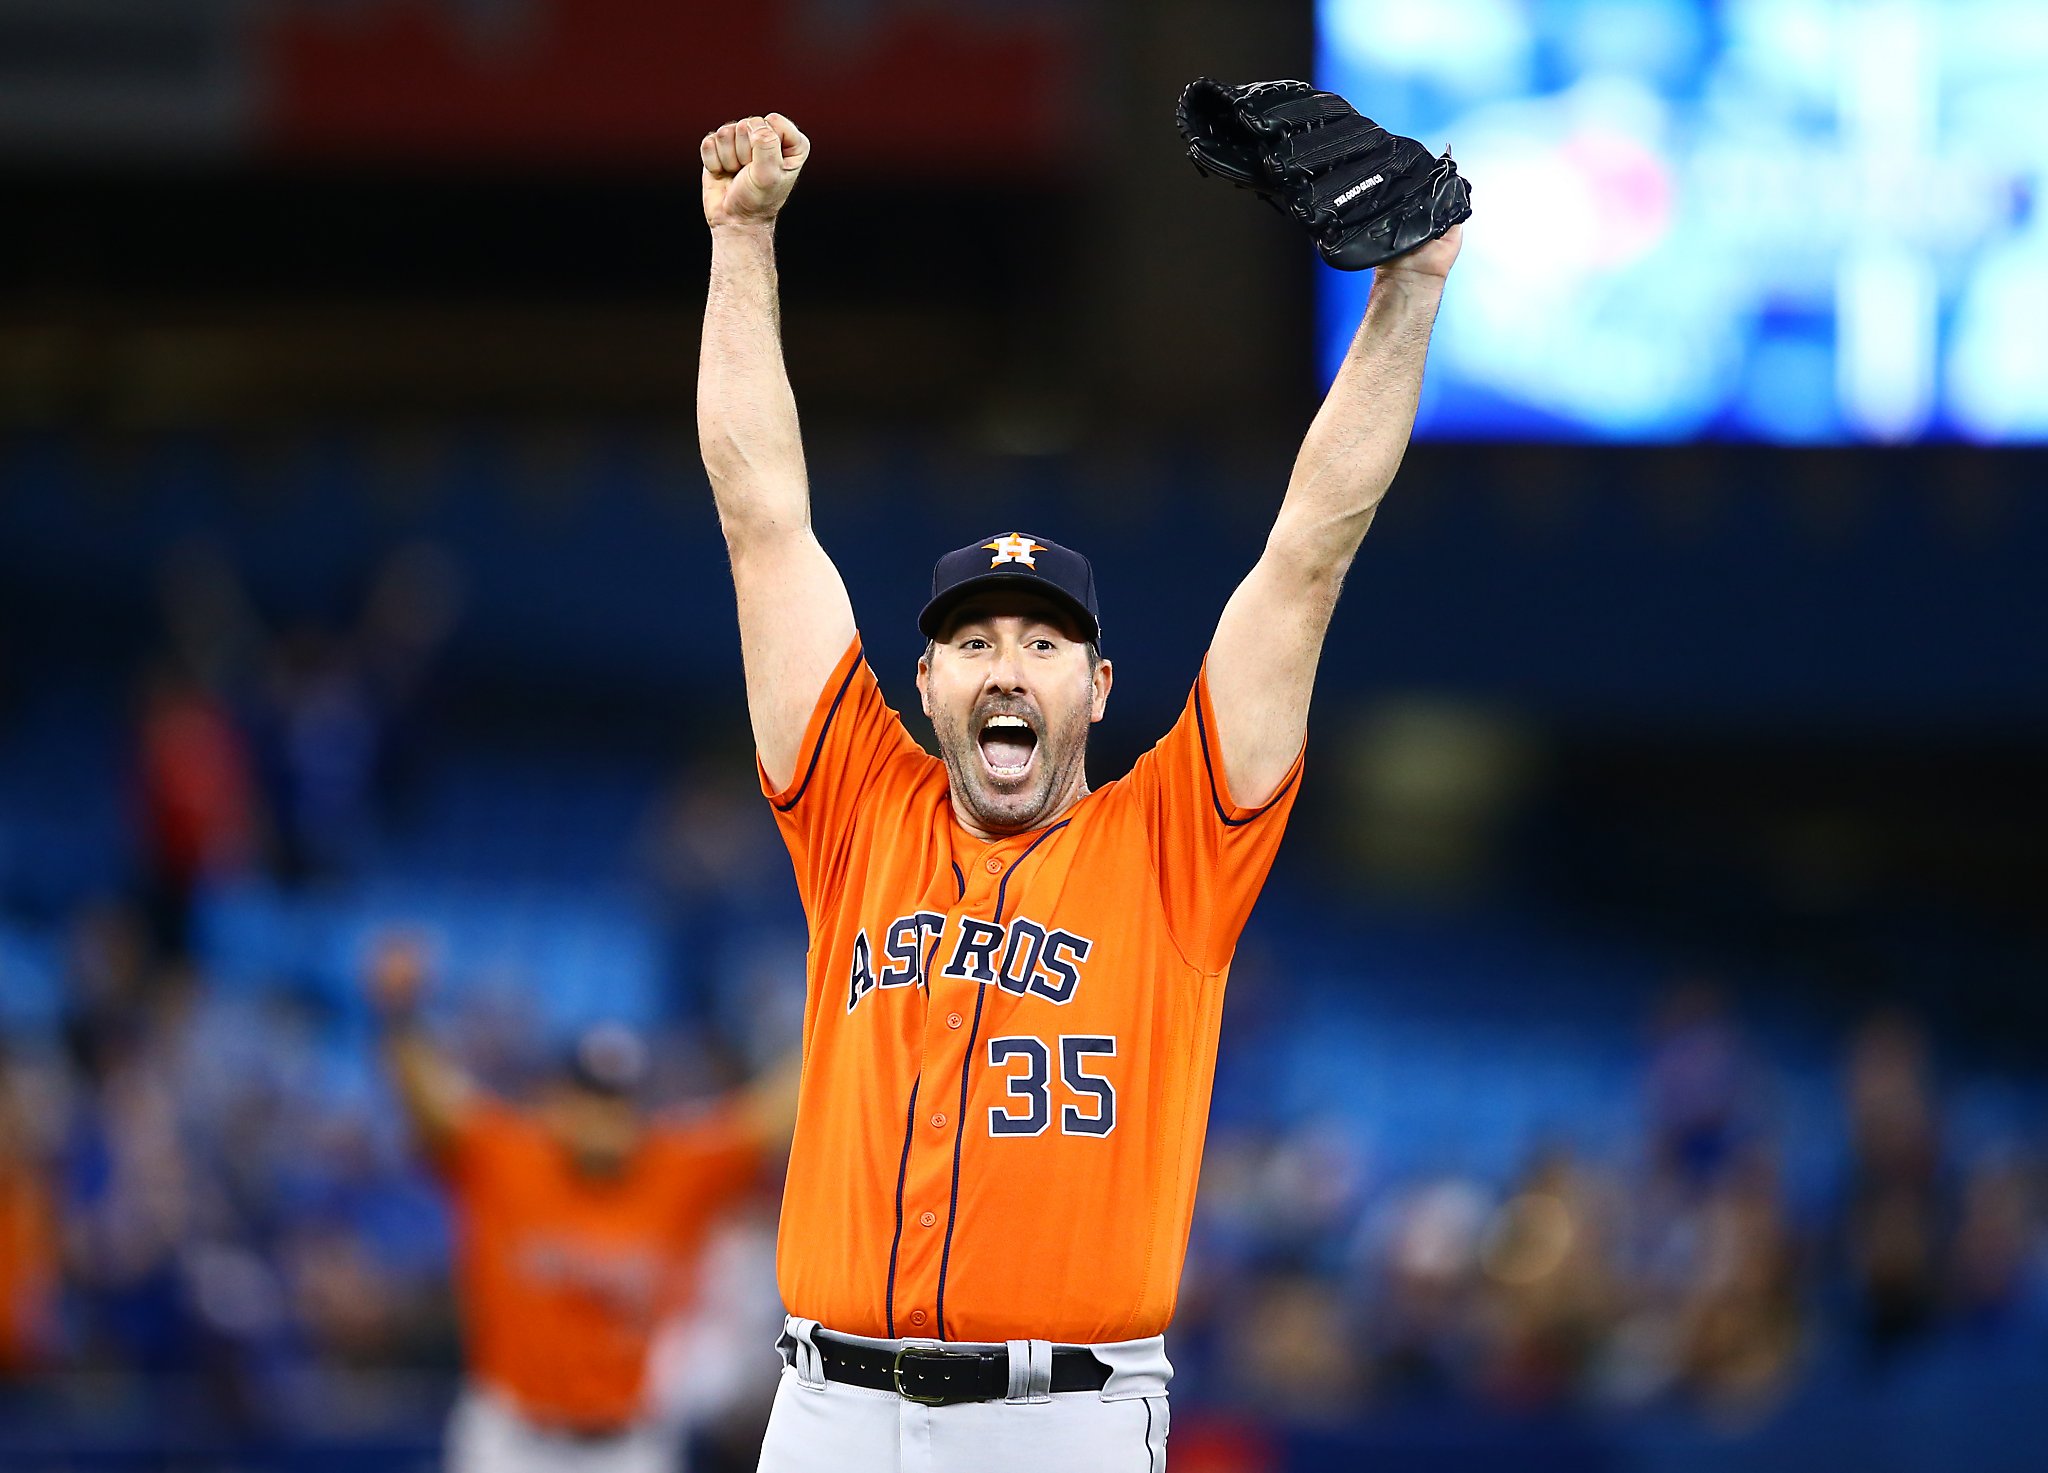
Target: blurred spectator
[(1995, 1245), (1894, 1206), (210, 628), (1741, 1325), (290, 746), (337, 713), (110, 974), (415, 600), (1549, 1294), (1426, 1327), (1696, 1085), (198, 797), (129, 1196), (322, 736), (1296, 1355)]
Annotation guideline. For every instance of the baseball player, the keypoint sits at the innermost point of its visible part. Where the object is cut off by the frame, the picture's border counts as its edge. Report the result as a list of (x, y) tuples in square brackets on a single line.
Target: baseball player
[(1015, 980), (579, 1226)]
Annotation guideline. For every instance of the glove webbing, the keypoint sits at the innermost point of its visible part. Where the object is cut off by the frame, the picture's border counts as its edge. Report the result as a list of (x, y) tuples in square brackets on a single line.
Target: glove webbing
[(1343, 140), (1317, 107)]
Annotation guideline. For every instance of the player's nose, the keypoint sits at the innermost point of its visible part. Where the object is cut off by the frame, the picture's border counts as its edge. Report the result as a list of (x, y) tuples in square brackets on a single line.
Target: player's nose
[(1006, 670)]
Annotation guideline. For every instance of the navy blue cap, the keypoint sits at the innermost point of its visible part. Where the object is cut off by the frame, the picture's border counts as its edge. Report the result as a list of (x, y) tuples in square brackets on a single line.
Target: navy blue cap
[(1014, 560)]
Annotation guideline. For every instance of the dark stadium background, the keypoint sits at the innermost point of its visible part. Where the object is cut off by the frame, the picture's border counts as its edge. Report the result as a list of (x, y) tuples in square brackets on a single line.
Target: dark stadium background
[(1635, 1063)]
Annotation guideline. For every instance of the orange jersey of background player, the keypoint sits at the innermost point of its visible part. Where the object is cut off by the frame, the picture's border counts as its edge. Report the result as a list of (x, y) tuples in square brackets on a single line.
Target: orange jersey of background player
[(564, 1275), (1040, 1011)]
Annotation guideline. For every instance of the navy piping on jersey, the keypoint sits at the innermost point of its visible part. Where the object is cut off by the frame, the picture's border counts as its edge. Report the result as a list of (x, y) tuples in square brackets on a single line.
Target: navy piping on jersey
[(823, 731), (966, 1072), (1003, 888), (909, 1125), (902, 1170), (1202, 735), (959, 1135)]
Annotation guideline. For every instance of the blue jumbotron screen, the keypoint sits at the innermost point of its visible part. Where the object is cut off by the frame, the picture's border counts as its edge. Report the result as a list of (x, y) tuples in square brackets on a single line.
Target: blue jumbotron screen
[(1807, 221)]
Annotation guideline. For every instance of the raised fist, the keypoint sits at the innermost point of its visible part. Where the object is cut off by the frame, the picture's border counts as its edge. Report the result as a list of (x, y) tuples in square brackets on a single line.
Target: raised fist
[(749, 169)]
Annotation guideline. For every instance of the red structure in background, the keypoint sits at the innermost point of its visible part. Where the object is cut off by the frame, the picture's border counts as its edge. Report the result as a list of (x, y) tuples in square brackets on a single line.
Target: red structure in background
[(1212, 1442), (640, 81)]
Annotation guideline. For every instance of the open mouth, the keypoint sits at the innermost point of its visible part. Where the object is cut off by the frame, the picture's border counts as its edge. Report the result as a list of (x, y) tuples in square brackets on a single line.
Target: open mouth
[(1008, 743)]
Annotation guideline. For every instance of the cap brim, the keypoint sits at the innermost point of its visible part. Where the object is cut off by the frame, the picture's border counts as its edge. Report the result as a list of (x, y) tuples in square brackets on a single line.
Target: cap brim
[(933, 619)]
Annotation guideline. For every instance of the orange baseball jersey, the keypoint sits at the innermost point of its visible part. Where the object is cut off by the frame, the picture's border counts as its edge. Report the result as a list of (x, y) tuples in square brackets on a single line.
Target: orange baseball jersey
[(564, 1277), (1008, 1046)]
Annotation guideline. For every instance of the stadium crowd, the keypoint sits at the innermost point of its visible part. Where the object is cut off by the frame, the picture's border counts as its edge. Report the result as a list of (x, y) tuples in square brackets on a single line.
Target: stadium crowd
[(208, 1208)]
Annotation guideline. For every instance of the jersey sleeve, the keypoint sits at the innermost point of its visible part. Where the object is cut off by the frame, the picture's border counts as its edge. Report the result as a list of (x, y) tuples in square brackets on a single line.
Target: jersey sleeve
[(465, 1157), (1211, 855), (852, 738), (722, 1158)]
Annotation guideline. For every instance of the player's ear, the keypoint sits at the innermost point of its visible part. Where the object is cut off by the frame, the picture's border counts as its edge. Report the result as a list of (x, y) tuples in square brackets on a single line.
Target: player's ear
[(1102, 676), (924, 671)]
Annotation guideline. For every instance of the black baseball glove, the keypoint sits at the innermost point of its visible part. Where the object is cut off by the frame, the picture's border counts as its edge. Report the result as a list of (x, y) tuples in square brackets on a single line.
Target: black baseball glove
[(1365, 194)]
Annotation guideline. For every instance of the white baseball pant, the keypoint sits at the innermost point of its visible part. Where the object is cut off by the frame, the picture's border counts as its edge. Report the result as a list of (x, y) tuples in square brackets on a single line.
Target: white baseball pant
[(821, 1426), (487, 1434)]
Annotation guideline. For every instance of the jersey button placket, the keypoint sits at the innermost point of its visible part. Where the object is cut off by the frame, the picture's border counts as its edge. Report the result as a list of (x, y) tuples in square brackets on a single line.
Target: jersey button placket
[(948, 1014)]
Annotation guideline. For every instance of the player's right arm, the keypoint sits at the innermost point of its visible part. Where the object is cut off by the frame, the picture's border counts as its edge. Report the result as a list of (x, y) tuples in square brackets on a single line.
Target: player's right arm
[(795, 618), (436, 1092)]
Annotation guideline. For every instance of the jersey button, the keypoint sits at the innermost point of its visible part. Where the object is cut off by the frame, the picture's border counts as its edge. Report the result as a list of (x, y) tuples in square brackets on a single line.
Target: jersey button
[(993, 865), (938, 1122), (926, 1219), (917, 1316), (954, 1020)]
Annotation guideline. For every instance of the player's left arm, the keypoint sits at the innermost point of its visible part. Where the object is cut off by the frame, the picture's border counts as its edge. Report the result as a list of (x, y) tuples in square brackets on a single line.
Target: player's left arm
[(1262, 661)]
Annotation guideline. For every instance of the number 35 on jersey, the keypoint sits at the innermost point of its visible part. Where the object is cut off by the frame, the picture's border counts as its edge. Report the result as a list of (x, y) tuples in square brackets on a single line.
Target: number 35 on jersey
[(1024, 958)]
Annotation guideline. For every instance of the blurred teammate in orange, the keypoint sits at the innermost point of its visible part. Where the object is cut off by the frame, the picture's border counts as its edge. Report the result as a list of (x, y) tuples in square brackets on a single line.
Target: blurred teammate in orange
[(579, 1227)]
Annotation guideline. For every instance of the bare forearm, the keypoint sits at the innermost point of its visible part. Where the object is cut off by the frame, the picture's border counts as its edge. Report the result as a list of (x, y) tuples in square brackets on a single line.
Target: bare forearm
[(434, 1091), (1355, 444), (746, 414), (1262, 662)]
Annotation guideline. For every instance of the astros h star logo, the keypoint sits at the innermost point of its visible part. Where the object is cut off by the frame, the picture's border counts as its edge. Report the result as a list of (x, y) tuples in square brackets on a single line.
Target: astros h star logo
[(1015, 548)]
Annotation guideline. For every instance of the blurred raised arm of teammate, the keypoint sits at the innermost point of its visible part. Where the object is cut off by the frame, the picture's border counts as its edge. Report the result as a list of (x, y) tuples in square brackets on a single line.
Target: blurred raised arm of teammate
[(795, 619), (1262, 661), (435, 1091), (439, 1096)]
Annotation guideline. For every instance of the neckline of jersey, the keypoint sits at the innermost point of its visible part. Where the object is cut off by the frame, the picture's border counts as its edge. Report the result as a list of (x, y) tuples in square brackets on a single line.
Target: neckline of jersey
[(961, 833)]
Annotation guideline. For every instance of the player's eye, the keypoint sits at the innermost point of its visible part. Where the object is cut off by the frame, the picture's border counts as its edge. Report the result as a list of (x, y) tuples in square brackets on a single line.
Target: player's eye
[(974, 642), (1043, 646)]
